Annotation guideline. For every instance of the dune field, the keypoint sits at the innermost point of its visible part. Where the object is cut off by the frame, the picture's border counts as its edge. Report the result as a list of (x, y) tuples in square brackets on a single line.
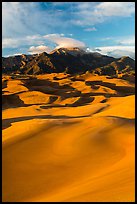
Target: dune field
[(68, 138)]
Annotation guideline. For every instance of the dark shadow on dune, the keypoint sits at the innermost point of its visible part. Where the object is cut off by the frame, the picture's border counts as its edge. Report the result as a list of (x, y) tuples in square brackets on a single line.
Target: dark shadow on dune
[(95, 87), (121, 90), (53, 88), (7, 122), (123, 120), (67, 91), (86, 95), (52, 99), (129, 78), (76, 79), (107, 95), (33, 83), (82, 101), (104, 100), (125, 90), (101, 109), (70, 94), (58, 79), (64, 92), (12, 100), (3, 92), (4, 84), (52, 106)]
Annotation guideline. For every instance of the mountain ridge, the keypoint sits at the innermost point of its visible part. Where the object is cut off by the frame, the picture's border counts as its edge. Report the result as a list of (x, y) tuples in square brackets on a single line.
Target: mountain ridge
[(69, 60)]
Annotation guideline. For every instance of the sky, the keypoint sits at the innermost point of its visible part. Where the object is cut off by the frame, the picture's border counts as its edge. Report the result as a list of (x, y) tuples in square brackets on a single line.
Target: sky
[(35, 27)]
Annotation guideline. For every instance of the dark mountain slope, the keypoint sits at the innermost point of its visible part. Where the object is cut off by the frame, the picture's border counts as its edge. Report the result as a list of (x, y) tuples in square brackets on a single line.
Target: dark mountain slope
[(72, 60)]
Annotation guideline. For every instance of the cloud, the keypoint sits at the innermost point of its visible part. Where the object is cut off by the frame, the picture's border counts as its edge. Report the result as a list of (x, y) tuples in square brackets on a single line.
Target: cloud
[(119, 53), (115, 51), (94, 13), (124, 40), (39, 49), (123, 9), (17, 54), (90, 29), (64, 41), (9, 42), (20, 41), (38, 43), (46, 43), (127, 41), (57, 41), (28, 18)]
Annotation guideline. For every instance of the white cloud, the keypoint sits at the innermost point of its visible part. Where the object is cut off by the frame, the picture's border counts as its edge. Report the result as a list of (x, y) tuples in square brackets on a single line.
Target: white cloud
[(20, 41), (28, 18), (64, 41), (90, 29), (39, 43), (115, 9), (116, 51), (119, 53), (124, 40), (9, 43), (38, 49), (91, 13), (17, 54), (127, 41)]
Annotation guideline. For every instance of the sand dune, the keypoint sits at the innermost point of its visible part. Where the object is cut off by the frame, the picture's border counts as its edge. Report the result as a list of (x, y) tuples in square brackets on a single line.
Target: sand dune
[(68, 140)]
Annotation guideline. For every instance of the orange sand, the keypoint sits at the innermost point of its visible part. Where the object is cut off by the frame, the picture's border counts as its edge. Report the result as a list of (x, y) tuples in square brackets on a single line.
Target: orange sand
[(60, 146)]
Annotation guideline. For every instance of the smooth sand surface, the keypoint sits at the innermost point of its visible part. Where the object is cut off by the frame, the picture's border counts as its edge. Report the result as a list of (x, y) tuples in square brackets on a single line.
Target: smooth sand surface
[(66, 140)]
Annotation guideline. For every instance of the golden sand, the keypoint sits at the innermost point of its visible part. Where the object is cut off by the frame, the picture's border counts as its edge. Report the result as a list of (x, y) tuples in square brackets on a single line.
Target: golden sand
[(59, 145)]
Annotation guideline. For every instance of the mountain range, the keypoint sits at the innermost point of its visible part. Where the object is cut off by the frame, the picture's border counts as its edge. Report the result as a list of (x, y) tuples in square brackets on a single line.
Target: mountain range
[(67, 60)]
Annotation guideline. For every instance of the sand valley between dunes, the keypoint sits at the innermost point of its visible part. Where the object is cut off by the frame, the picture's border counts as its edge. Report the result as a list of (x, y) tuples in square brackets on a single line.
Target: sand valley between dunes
[(68, 138)]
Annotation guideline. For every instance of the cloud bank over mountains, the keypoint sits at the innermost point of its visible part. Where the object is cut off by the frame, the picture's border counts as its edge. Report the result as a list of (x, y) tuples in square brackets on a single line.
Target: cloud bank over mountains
[(116, 51), (59, 40)]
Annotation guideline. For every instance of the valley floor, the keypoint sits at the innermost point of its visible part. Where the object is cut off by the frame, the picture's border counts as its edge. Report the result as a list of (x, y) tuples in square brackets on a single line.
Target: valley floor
[(68, 138)]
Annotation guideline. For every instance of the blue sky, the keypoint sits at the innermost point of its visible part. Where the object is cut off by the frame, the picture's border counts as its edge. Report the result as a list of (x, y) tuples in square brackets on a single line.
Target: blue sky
[(34, 27)]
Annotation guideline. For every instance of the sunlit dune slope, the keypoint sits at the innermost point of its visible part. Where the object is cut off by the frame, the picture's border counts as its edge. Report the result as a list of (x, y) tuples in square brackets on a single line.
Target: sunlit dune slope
[(68, 138)]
